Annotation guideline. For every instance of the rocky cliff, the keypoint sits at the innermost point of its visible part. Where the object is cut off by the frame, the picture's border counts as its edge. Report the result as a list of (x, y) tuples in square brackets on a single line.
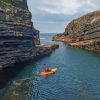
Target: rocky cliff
[(83, 32), (18, 36)]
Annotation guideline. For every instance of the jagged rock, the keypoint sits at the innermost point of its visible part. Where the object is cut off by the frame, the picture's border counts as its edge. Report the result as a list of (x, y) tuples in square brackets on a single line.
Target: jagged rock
[(83, 32)]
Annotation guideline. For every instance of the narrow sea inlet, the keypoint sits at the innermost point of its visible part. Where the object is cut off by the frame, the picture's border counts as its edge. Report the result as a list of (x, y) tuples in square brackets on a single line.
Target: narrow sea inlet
[(77, 78)]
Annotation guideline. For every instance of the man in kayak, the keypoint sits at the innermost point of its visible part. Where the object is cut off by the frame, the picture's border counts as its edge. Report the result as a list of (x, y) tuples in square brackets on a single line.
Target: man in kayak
[(47, 69)]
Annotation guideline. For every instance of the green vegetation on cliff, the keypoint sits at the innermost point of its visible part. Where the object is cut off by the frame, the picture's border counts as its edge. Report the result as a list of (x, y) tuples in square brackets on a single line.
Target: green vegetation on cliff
[(13, 3)]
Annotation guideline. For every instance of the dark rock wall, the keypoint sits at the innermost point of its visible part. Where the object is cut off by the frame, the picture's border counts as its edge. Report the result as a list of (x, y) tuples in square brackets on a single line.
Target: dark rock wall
[(17, 33)]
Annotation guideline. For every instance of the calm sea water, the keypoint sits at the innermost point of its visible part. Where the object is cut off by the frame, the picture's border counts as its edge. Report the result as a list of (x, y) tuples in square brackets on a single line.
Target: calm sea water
[(77, 78)]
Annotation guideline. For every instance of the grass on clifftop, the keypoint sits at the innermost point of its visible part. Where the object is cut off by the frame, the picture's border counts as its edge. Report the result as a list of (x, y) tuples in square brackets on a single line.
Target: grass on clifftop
[(5, 3)]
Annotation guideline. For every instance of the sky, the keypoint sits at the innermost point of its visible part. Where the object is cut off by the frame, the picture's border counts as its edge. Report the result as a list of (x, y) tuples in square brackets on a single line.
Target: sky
[(52, 16)]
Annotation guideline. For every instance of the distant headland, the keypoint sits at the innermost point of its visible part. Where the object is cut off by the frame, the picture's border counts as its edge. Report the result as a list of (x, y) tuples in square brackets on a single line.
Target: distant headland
[(83, 32)]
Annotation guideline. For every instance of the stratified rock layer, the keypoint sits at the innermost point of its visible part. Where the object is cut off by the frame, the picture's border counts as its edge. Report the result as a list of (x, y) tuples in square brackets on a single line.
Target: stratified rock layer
[(83, 32), (17, 33)]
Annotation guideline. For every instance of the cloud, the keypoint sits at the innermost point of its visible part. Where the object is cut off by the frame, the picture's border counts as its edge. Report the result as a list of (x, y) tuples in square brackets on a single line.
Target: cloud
[(88, 6), (68, 7), (51, 13)]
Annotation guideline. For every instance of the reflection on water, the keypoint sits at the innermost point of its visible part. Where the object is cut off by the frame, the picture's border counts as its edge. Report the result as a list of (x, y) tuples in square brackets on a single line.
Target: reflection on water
[(23, 89)]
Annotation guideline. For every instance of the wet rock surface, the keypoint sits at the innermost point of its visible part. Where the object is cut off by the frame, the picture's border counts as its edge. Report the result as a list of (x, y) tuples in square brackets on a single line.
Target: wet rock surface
[(45, 49)]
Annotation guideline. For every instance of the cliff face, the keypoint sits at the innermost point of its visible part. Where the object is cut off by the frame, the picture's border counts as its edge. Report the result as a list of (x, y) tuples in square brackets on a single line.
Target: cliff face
[(85, 28), (83, 32), (17, 33)]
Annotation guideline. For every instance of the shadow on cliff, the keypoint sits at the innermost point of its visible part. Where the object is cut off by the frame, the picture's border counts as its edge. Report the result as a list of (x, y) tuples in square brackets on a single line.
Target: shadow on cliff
[(8, 73)]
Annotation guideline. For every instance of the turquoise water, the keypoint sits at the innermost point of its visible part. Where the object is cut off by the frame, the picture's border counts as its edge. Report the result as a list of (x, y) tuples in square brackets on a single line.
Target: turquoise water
[(77, 78)]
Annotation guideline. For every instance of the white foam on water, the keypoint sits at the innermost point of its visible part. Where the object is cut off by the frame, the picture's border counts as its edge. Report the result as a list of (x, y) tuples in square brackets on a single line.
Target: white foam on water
[(42, 38)]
